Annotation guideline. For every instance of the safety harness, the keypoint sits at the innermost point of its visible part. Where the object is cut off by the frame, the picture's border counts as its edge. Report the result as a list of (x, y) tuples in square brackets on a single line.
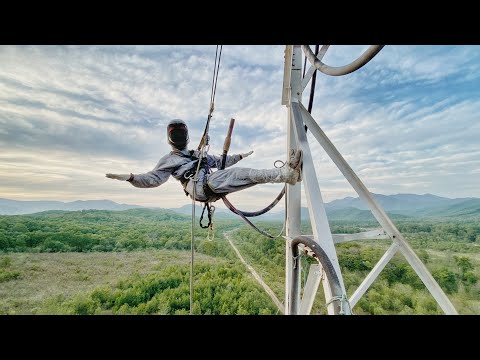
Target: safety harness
[(208, 191)]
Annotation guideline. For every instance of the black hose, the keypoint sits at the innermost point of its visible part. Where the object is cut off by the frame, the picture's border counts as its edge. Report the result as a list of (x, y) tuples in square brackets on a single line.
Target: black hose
[(312, 86), (266, 209), (229, 205), (327, 266)]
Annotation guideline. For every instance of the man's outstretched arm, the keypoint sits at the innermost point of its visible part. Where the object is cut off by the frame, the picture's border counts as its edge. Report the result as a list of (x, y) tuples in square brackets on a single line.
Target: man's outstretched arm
[(154, 178), (151, 179), (122, 177), (215, 161)]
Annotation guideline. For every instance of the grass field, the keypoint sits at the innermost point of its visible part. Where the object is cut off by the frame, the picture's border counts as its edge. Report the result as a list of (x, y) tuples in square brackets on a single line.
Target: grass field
[(48, 278), (383, 293), (137, 262)]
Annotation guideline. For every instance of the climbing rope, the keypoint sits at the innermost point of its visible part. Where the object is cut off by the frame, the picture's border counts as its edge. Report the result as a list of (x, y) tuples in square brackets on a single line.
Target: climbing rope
[(244, 214), (201, 147), (239, 213), (194, 177), (266, 209), (210, 212), (274, 202), (192, 252), (216, 68)]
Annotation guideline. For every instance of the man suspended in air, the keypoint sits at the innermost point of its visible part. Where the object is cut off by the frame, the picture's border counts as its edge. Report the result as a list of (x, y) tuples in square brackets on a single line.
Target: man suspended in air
[(181, 163)]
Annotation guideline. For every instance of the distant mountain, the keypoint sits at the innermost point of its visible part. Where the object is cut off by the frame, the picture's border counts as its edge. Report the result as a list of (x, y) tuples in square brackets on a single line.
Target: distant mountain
[(427, 205), (351, 213), (392, 202), (14, 207), (467, 208), (399, 206)]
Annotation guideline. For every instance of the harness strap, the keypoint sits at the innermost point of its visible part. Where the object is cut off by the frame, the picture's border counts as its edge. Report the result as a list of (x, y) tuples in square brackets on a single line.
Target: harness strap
[(210, 210), (210, 193)]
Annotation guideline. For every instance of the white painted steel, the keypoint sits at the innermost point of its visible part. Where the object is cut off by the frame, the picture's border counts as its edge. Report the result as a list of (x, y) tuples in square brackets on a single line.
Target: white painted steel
[(297, 115), (308, 76), (293, 192), (377, 269), (376, 234), (378, 212), (296, 75), (316, 207), (311, 287), (363, 59), (311, 70), (287, 68)]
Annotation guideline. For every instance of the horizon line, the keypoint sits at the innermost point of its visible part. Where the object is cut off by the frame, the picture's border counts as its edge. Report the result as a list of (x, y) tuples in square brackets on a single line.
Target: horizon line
[(157, 207)]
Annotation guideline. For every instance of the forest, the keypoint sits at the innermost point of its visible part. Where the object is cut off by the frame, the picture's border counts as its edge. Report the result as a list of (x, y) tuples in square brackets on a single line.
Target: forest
[(137, 262)]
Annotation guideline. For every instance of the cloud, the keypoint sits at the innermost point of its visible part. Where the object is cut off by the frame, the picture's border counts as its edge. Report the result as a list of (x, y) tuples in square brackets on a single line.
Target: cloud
[(405, 122)]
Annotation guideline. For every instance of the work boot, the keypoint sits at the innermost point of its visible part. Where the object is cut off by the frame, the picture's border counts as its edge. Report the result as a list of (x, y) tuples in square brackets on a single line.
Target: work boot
[(296, 161)]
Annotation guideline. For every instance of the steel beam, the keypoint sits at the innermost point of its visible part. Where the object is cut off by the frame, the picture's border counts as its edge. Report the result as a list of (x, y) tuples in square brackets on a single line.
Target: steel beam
[(378, 212), (312, 69), (316, 207), (311, 287), (366, 235), (287, 69), (293, 75), (377, 269), (377, 234)]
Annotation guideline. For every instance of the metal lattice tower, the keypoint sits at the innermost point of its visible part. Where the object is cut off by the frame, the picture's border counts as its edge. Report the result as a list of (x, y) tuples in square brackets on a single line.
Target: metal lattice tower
[(321, 244)]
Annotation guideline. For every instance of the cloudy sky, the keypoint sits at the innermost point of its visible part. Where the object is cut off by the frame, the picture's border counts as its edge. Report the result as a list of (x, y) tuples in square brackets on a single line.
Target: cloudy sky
[(407, 122)]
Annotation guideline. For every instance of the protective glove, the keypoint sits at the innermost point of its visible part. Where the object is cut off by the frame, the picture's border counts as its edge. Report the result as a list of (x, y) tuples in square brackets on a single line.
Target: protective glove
[(246, 154), (123, 177)]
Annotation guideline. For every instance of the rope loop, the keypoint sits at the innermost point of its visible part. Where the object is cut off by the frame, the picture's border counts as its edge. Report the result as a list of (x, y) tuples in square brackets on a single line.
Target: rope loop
[(343, 298)]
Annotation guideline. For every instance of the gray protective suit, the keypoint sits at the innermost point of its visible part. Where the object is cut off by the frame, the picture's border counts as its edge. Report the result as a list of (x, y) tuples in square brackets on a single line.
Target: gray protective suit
[(178, 162)]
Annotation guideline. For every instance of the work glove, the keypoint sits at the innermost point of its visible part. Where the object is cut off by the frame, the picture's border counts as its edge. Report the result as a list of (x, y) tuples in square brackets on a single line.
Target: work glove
[(123, 177), (246, 154)]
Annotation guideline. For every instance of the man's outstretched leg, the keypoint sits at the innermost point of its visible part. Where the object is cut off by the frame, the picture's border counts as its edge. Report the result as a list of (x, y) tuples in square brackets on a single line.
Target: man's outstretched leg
[(235, 179)]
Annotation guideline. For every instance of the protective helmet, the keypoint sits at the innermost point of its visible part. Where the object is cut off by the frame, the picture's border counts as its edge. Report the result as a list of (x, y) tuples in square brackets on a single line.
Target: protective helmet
[(177, 133)]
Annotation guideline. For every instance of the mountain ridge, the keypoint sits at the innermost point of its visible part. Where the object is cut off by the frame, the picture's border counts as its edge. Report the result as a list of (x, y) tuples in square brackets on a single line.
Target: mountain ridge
[(19, 207), (399, 206)]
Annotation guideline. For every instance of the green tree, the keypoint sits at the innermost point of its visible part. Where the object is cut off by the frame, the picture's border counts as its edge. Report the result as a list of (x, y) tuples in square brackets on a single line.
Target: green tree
[(464, 264), (446, 279)]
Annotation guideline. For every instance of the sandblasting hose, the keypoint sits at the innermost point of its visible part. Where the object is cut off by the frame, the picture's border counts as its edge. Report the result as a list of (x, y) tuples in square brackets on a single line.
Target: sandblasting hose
[(328, 269)]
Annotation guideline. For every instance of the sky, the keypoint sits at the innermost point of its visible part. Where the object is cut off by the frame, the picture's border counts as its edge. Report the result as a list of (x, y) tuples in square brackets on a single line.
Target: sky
[(407, 122)]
